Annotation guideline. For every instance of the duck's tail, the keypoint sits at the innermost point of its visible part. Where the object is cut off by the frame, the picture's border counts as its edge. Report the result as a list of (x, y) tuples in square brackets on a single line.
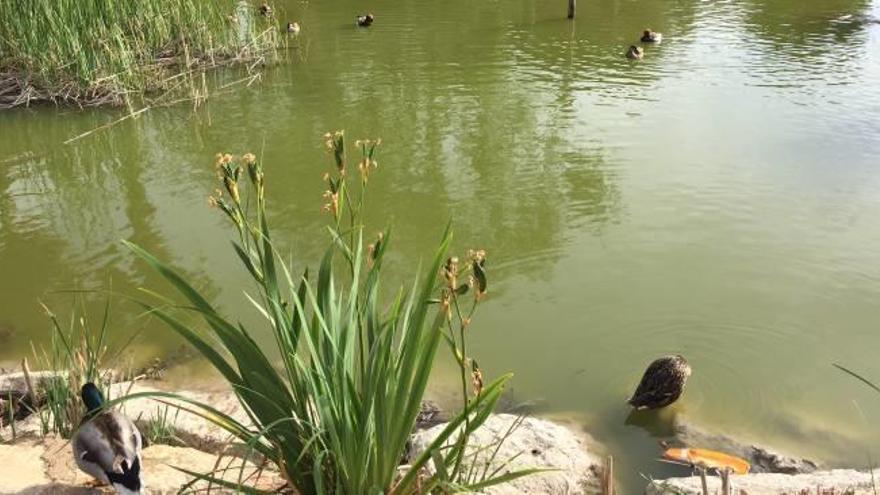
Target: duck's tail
[(129, 481)]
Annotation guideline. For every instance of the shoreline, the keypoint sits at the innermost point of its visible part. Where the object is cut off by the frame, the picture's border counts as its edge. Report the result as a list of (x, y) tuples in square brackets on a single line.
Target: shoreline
[(580, 460)]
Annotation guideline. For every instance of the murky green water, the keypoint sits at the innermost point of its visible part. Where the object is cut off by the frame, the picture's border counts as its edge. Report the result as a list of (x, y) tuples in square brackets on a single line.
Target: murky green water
[(718, 199)]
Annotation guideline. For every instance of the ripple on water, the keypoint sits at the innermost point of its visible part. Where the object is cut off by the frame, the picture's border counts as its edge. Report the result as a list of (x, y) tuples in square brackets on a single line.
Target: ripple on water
[(726, 357)]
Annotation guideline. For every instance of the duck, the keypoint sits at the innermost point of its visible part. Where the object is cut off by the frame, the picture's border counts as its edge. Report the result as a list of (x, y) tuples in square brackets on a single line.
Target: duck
[(107, 445), (265, 9), (365, 20), (635, 53), (662, 383), (649, 36), (293, 27)]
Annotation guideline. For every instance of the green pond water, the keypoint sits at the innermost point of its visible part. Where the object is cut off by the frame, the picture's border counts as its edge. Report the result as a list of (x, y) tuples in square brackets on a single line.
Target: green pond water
[(719, 199)]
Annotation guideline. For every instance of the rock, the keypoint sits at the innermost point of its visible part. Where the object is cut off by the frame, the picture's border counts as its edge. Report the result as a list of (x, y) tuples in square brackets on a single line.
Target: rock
[(162, 478), (768, 461), (430, 414), (191, 429), (762, 459), (15, 384), (536, 443), (21, 467), (43, 467), (837, 482)]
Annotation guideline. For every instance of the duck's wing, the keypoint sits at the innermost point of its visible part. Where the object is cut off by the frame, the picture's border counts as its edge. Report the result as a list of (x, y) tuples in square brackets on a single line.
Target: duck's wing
[(110, 443), (657, 385)]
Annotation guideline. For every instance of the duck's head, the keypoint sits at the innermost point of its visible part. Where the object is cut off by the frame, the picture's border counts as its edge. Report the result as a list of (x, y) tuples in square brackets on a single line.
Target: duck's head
[(369, 17), (634, 52), (682, 364), (92, 397), (647, 33)]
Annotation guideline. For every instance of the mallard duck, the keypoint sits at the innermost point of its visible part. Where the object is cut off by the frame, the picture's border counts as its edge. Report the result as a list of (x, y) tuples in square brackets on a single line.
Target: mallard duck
[(265, 9), (635, 53), (365, 20), (107, 445), (293, 27), (662, 383), (649, 36)]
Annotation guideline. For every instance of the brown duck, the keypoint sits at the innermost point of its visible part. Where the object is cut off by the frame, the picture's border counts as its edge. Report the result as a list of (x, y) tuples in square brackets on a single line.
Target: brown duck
[(662, 383), (635, 53)]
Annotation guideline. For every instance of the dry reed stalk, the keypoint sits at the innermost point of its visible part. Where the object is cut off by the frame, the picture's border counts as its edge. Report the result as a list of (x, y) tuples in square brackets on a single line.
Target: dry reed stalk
[(703, 481), (608, 477)]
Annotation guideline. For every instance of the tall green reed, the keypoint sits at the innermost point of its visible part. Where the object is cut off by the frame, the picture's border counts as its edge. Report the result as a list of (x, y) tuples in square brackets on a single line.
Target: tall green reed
[(78, 353), (336, 413), (108, 51)]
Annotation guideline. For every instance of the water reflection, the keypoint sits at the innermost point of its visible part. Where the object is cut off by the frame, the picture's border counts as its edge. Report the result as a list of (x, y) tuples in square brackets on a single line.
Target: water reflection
[(659, 424), (815, 45), (715, 199)]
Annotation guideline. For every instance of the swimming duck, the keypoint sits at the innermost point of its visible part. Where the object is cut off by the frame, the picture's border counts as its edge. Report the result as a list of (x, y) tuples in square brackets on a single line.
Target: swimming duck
[(107, 445), (649, 36), (293, 27), (265, 9), (662, 383), (365, 20), (635, 53)]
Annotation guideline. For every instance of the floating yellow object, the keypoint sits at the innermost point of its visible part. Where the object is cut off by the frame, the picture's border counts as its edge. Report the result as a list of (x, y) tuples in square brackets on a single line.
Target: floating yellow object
[(709, 459)]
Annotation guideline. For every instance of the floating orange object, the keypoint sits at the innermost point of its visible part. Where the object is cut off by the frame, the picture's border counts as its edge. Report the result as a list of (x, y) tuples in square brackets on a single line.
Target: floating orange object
[(709, 459)]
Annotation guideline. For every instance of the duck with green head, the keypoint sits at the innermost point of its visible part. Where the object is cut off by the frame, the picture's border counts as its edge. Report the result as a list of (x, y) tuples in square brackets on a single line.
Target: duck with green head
[(649, 36), (107, 445)]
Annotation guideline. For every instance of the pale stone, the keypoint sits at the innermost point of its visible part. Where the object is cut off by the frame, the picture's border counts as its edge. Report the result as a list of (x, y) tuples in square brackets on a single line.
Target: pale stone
[(47, 467), (838, 481), (190, 428), (193, 430), (15, 383), (21, 467), (536, 443), (160, 477)]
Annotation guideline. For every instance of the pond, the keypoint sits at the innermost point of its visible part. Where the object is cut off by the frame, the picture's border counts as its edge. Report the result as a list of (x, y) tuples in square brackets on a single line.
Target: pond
[(718, 199)]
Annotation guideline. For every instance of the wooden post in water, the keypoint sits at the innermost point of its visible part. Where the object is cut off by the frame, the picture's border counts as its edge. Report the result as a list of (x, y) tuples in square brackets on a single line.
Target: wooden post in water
[(571, 8)]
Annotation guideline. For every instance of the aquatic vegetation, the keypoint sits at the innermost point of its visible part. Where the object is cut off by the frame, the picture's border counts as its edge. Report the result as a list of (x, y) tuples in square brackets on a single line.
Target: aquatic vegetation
[(161, 429), (109, 51), (336, 413), (78, 354)]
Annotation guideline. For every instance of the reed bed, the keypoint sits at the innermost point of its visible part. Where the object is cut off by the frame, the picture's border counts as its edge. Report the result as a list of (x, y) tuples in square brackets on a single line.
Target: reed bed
[(96, 52)]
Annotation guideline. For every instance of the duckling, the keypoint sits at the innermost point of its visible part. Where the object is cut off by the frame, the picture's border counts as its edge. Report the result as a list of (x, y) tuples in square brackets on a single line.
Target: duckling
[(662, 383), (265, 9), (635, 53), (365, 20), (649, 36), (293, 28), (107, 445)]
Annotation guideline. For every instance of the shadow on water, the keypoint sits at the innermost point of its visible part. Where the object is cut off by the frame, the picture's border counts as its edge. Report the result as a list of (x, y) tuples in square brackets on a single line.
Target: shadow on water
[(658, 424)]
